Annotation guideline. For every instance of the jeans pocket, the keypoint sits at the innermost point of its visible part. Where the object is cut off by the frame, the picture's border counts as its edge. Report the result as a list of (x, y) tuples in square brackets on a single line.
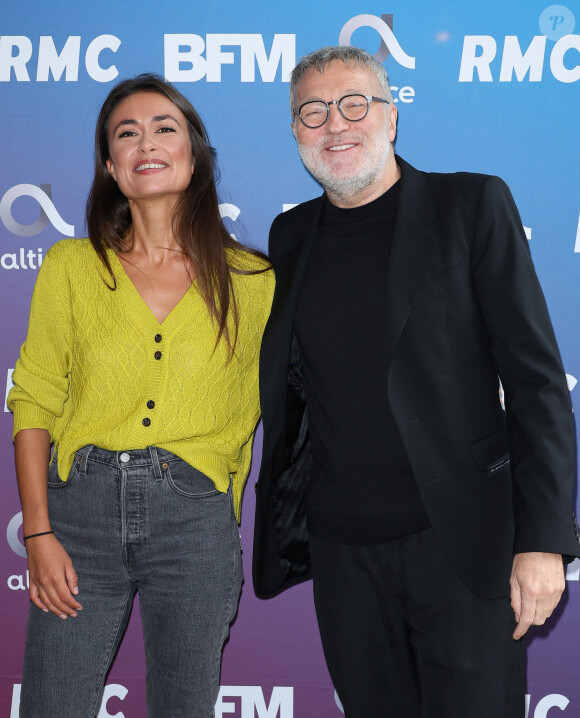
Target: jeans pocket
[(187, 481), (54, 480)]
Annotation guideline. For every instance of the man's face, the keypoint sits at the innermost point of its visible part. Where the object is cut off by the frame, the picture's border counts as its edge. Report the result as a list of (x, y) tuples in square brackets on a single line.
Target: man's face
[(349, 159)]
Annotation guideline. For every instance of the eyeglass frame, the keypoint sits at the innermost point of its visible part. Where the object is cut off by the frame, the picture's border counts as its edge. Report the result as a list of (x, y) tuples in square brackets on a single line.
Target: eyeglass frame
[(368, 98)]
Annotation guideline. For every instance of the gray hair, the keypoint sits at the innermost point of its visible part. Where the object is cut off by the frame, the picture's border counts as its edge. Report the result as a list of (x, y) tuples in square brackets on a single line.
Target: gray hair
[(319, 59)]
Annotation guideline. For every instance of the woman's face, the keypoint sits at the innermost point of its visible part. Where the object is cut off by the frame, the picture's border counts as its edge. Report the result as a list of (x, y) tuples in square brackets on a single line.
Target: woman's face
[(149, 147)]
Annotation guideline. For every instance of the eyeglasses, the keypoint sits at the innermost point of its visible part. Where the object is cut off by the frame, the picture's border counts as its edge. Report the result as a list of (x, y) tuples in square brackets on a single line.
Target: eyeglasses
[(353, 108)]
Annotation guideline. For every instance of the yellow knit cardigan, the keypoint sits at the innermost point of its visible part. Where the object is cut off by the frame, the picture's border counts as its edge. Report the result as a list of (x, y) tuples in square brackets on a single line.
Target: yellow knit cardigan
[(95, 361)]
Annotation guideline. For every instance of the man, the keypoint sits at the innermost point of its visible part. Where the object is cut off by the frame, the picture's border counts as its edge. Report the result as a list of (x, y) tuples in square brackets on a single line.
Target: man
[(390, 471)]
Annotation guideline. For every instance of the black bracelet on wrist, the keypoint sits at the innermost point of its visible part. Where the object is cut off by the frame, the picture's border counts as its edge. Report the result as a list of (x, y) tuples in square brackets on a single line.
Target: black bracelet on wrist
[(42, 533)]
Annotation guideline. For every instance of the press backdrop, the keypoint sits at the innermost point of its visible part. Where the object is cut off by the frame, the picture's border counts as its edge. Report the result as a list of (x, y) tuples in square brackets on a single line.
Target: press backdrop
[(484, 86)]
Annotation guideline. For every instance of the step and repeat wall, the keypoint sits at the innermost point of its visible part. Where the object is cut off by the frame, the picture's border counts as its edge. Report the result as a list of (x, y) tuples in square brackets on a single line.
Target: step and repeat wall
[(484, 86)]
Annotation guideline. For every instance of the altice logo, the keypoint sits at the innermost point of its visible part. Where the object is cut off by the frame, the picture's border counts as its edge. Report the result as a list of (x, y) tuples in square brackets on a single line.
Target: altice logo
[(12, 535), (48, 212), (389, 43)]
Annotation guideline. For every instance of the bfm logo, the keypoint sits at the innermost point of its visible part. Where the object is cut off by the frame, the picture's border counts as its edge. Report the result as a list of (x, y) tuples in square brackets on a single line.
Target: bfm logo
[(249, 702), (233, 702), (185, 62)]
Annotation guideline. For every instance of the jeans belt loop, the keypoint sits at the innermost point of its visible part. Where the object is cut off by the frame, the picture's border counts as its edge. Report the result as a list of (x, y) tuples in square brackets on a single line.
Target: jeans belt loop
[(155, 462), (84, 454)]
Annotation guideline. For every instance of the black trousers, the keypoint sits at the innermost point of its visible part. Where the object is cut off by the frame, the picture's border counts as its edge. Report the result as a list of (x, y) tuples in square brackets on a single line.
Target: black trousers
[(403, 637)]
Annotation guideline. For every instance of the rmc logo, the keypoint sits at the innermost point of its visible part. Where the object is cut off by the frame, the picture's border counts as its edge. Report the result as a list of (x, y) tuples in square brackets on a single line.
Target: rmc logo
[(389, 46), (16, 53), (479, 51), (112, 690), (544, 706), (554, 700)]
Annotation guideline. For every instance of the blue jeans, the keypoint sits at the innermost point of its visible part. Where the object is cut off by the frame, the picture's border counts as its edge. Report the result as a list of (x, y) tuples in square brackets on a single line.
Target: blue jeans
[(137, 521)]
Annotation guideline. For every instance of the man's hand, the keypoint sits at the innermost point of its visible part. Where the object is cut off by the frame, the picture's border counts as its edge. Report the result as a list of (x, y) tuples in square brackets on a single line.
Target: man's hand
[(537, 583)]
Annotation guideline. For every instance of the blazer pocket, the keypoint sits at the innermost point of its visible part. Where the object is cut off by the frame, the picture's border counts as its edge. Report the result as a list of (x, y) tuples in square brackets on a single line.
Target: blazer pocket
[(444, 282), (490, 453)]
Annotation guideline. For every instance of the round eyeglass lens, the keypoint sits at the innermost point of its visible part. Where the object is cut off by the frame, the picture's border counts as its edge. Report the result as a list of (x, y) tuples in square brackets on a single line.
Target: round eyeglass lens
[(314, 114), (353, 107)]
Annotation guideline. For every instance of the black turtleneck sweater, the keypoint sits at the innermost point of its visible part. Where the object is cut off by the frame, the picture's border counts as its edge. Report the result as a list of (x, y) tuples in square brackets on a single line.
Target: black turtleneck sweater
[(362, 489)]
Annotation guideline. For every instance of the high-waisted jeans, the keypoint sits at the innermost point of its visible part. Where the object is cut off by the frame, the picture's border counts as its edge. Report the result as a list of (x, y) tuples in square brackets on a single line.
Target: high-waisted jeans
[(137, 521)]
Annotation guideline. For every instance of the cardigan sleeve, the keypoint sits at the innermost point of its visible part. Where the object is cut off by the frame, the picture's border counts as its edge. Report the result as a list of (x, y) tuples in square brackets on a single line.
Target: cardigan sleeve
[(41, 375)]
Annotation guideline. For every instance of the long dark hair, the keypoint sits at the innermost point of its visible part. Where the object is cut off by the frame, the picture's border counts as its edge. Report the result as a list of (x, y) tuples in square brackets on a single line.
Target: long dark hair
[(196, 222)]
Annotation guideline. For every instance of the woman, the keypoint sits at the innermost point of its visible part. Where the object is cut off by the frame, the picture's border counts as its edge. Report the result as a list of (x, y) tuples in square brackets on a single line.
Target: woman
[(140, 367)]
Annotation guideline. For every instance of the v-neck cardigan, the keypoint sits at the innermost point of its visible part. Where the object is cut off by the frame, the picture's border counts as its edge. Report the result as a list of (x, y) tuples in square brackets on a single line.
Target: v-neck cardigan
[(98, 368)]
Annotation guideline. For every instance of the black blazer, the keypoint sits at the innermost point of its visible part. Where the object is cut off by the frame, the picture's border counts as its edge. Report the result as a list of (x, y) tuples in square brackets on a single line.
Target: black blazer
[(464, 307)]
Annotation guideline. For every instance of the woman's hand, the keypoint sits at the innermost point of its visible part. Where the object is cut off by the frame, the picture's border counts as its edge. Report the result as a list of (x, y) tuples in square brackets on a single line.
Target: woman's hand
[(53, 580)]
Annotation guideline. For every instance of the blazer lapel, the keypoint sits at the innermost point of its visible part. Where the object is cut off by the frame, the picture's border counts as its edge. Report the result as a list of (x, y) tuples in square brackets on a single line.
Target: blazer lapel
[(414, 240), (290, 265)]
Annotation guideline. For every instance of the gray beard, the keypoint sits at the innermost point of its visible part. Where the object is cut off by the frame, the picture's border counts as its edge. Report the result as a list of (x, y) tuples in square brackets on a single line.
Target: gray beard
[(346, 187)]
